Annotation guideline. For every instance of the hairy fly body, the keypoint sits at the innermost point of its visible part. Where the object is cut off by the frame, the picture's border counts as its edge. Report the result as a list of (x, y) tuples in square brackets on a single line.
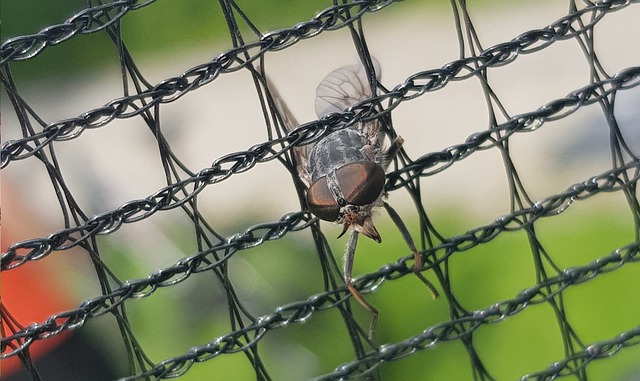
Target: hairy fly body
[(345, 171)]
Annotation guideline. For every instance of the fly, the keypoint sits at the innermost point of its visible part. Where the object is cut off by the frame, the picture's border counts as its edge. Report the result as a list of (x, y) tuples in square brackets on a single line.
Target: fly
[(345, 171)]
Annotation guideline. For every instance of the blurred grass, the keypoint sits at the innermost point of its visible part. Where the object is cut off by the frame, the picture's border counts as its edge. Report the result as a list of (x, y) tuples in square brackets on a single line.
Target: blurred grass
[(160, 30), (285, 271), (194, 312)]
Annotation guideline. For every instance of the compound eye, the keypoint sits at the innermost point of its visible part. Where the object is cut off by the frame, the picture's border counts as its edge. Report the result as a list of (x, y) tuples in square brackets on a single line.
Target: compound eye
[(321, 201), (361, 183)]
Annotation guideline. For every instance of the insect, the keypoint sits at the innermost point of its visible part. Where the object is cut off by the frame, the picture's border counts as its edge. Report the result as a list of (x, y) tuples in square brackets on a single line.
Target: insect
[(344, 172)]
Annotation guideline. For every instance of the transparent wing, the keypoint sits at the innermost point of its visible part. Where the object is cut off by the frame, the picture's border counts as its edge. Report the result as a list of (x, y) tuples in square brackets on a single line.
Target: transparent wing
[(290, 122), (339, 90), (344, 87)]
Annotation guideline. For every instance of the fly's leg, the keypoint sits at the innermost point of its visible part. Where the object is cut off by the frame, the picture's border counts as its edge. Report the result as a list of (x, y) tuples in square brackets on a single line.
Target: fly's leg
[(392, 151), (348, 280), (417, 262)]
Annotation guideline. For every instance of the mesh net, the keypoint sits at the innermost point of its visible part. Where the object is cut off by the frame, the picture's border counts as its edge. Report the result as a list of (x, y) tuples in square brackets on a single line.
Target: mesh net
[(173, 219)]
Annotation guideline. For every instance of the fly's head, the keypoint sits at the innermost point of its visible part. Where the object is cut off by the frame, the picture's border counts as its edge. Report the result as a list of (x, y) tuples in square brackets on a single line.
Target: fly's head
[(346, 195)]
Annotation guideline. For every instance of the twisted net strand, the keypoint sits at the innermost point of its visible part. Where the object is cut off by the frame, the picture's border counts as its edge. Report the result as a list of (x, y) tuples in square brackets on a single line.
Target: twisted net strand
[(87, 21), (451, 330), (596, 351), (232, 60), (172, 196), (622, 177), (550, 206)]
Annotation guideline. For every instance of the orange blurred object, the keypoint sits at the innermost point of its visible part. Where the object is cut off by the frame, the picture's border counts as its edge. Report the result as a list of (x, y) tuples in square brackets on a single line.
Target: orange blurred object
[(31, 293)]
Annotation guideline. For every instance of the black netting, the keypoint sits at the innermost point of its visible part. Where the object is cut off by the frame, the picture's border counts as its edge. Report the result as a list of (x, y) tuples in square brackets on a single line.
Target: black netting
[(167, 230)]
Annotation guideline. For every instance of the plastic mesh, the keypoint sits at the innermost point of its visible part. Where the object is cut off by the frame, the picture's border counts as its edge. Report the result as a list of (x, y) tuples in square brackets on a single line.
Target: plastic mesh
[(564, 244)]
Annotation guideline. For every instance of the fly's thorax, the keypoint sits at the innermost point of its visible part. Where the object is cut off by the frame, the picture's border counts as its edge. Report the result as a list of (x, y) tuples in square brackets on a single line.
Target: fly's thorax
[(335, 150)]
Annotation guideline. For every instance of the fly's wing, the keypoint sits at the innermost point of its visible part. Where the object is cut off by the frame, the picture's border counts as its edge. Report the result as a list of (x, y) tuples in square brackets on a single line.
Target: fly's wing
[(343, 88), (300, 153)]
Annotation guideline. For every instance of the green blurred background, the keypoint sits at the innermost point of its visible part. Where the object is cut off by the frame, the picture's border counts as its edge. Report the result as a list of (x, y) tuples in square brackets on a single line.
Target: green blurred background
[(176, 318)]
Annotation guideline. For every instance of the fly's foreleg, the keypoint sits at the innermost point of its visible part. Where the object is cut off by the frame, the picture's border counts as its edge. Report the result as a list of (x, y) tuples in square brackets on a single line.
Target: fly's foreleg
[(348, 280)]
